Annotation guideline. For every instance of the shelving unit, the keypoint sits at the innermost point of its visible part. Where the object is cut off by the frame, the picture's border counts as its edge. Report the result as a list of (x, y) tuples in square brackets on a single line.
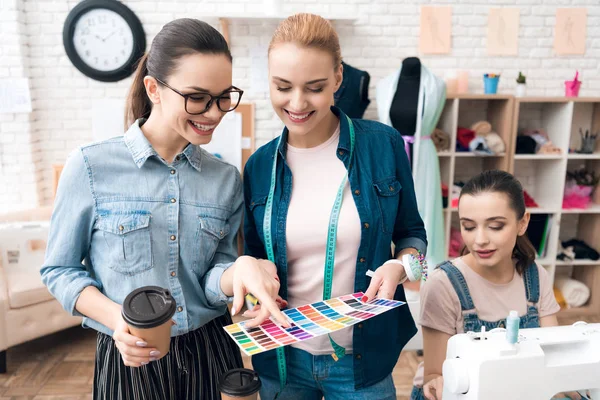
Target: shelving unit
[(542, 175)]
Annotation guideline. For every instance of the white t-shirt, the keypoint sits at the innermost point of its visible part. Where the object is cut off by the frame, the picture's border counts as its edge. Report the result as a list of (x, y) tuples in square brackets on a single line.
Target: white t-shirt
[(317, 173)]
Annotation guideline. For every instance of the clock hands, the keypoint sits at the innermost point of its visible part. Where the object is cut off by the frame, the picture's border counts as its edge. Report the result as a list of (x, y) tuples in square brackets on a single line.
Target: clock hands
[(104, 39), (112, 33)]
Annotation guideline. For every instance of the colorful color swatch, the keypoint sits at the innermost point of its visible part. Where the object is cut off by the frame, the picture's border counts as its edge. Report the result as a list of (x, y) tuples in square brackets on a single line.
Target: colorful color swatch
[(308, 321)]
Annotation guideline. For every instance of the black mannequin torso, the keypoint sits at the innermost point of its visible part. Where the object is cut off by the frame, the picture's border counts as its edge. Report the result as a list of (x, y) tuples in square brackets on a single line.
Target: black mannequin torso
[(403, 111)]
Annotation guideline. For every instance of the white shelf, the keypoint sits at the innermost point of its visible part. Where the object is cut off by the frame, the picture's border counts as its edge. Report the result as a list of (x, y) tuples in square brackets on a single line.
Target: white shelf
[(577, 262), (544, 261), (540, 210), (279, 16), (539, 156), (576, 156), (444, 154), (592, 209), (472, 154)]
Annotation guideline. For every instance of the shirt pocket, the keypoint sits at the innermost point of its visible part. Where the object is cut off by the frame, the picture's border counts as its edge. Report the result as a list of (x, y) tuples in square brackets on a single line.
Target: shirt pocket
[(388, 200), (128, 241), (209, 234)]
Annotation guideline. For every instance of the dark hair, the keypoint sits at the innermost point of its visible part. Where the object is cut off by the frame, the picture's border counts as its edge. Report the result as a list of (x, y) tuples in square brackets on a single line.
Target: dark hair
[(503, 182), (176, 39)]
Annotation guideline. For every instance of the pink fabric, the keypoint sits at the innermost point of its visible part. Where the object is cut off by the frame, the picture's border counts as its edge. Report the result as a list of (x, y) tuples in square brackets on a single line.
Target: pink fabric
[(456, 242), (576, 196)]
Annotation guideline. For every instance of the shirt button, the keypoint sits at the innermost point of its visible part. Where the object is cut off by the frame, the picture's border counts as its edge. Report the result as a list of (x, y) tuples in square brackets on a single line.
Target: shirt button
[(172, 172), (358, 356), (357, 192), (366, 225), (362, 260), (177, 158), (173, 237), (173, 273), (180, 309), (341, 152), (121, 228), (391, 188), (359, 326), (173, 200)]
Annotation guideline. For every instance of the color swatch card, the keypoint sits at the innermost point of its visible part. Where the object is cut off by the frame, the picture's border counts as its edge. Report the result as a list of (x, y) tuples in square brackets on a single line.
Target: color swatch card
[(308, 322)]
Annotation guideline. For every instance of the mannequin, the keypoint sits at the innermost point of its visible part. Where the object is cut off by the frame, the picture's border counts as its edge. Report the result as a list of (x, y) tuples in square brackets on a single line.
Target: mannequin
[(411, 99), (353, 95), (403, 112)]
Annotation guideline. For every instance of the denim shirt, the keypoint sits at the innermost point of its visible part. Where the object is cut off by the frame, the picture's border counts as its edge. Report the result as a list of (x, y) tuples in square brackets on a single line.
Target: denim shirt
[(125, 218), (382, 186)]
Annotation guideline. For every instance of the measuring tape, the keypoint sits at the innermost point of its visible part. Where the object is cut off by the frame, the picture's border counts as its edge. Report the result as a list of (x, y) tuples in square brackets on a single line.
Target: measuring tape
[(339, 351)]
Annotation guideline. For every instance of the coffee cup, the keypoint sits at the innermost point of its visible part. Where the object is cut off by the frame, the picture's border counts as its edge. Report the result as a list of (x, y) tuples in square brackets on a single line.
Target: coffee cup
[(148, 312), (239, 384)]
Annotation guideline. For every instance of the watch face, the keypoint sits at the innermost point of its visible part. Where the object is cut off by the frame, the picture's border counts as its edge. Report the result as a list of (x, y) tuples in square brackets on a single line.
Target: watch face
[(103, 39)]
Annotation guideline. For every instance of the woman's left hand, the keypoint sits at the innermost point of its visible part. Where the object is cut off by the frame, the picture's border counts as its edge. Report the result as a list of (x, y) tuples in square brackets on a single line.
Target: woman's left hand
[(385, 281)]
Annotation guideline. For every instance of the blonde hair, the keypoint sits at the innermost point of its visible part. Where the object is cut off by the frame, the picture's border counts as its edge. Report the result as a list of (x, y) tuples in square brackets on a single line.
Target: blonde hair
[(309, 30)]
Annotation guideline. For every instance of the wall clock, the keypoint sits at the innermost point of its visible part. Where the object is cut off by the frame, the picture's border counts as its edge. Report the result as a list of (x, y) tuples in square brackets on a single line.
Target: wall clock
[(104, 39)]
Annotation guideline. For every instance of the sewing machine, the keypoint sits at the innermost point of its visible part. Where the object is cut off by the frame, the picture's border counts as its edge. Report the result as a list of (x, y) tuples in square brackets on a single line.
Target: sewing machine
[(544, 362)]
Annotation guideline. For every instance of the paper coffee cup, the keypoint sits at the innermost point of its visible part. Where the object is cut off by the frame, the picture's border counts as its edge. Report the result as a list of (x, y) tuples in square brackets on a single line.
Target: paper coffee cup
[(148, 311), (239, 384)]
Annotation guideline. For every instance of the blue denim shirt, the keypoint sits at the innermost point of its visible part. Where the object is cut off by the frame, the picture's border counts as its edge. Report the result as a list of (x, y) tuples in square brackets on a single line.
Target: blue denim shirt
[(382, 186), (136, 220)]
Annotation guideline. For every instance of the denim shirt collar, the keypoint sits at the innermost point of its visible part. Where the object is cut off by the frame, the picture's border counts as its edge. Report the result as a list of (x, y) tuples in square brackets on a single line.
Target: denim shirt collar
[(344, 142), (141, 149)]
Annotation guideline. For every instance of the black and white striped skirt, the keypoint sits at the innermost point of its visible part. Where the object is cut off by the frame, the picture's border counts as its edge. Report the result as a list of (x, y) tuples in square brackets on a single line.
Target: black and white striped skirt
[(190, 371)]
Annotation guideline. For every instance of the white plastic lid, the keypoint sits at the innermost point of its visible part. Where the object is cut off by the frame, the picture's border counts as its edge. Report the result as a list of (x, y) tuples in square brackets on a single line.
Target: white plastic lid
[(514, 314)]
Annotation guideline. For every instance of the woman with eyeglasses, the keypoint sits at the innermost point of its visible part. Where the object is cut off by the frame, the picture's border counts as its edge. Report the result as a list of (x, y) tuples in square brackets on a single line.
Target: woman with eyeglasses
[(152, 208)]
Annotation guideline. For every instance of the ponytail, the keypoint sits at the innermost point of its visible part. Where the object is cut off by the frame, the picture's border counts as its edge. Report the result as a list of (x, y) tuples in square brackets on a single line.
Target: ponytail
[(138, 104), (524, 252)]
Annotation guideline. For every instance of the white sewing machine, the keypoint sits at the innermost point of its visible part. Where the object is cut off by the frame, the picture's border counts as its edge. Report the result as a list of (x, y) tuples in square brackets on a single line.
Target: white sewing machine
[(544, 362)]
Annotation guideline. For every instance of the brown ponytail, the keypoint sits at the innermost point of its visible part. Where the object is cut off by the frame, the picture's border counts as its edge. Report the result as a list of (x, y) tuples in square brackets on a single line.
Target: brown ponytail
[(524, 252), (138, 104)]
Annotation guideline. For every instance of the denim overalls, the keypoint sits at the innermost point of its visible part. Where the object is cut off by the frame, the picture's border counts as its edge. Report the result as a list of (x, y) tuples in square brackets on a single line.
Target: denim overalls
[(471, 319)]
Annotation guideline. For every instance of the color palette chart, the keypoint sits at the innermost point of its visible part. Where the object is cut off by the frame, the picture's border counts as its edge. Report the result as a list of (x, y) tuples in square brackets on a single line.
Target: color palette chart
[(308, 322)]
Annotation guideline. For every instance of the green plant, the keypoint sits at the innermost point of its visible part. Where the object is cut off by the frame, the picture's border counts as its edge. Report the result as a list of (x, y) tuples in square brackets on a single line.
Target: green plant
[(522, 78)]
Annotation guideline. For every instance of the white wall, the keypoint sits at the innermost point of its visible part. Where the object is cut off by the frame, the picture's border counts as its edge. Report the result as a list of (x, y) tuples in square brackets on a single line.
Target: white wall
[(384, 33)]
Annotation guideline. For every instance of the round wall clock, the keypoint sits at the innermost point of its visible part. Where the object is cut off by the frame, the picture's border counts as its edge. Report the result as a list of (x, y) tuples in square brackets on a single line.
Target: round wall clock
[(104, 39)]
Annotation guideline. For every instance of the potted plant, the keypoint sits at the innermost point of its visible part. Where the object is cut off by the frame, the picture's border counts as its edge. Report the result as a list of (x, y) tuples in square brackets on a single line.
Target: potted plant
[(521, 85)]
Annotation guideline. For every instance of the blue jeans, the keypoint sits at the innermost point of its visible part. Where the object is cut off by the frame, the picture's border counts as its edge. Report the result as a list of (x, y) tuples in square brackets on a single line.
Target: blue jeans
[(417, 394), (314, 377)]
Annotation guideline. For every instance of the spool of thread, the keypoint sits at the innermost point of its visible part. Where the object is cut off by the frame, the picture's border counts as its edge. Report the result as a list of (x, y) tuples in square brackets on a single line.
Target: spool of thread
[(512, 327)]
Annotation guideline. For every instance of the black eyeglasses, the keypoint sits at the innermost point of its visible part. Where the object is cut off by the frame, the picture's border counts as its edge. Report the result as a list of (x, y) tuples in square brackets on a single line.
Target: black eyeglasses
[(200, 102)]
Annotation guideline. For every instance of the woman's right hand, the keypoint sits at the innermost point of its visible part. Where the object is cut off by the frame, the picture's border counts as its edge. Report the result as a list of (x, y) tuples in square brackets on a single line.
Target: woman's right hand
[(433, 389), (133, 349), (258, 277)]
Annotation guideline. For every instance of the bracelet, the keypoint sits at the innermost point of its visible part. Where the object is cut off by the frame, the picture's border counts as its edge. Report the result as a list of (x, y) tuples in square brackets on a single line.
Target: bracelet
[(414, 265)]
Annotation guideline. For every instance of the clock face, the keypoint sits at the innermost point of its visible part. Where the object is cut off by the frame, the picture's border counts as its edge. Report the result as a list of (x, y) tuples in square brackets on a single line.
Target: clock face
[(103, 39)]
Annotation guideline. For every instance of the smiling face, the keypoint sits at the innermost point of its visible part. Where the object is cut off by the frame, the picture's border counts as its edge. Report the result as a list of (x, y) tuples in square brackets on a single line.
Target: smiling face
[(489, 227), (196, 75), (302, 83)]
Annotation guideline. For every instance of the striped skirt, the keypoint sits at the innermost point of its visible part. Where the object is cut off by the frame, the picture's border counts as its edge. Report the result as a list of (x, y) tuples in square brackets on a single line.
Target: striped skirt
[(190, 371)]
